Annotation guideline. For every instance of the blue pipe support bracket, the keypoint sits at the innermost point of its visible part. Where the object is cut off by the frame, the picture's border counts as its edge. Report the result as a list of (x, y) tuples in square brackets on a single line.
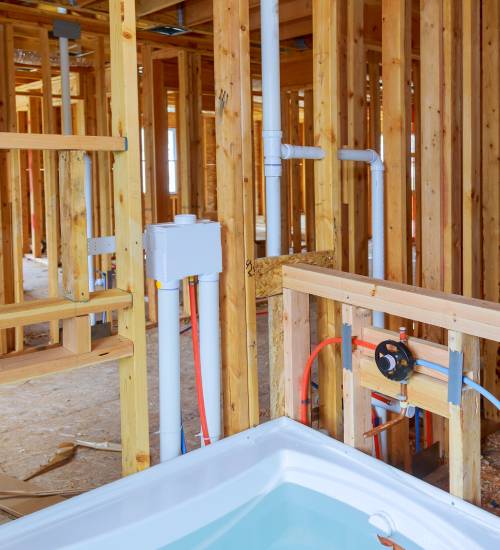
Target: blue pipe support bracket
[(455, 377), (347, 346)]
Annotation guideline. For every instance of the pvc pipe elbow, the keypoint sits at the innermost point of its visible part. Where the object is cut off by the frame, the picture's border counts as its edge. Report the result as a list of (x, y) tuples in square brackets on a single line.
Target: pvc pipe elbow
[(362, 155)]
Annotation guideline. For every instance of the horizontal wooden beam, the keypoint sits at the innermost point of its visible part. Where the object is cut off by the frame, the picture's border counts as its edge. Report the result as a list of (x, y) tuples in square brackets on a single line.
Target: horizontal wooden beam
[(423, 391), (49, 309), (145, 7), (58, 359), (450, 311), (56, 142), (268, 271)]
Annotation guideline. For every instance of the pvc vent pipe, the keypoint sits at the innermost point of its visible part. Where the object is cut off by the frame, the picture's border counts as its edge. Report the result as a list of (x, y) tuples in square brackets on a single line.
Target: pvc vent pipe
[(378, 244), (274, 151)]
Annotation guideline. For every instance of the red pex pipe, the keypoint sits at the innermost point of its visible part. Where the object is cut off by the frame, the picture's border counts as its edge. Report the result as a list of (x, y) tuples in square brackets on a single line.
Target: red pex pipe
[(197, 363), (304, 385)]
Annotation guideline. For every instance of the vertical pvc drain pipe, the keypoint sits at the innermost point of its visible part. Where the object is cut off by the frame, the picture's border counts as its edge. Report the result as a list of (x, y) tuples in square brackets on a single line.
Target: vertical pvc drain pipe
[(208, 309), (377, 172), (169, 350), (271, 122)]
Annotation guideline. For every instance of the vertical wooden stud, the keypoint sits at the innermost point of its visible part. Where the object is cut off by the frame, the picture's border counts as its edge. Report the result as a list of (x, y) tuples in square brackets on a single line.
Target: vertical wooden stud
[(357, 400), (309, 171), (471, 135), (129, 253), (236, 213), (51, 188), (328, 195), (297, 345), (491, 187), (357, 192), (465, 425)]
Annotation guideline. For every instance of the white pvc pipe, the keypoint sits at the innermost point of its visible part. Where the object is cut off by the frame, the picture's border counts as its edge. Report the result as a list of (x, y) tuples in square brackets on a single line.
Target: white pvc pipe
[(169, 371), (88, 211), (271, 122), (394, 406), (208, 310), (301, 152), (378, 240)]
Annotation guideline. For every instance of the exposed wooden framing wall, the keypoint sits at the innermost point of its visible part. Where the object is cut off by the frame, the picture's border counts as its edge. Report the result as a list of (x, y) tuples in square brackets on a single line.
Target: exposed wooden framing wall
[(236, 213), (357, 191), (309, 171), (105, 194), (36, 192), (491, 187), (6, 258), (51, 188), (295, 173), (14, 181), (129, 253), (328, 195), (396, 63), (148, 123), (163, 204), (471, 160), (185, 190)]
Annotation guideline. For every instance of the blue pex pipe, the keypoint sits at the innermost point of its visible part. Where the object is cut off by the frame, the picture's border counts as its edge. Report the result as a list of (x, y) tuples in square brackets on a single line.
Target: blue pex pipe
[(466, 380), (417, 430)]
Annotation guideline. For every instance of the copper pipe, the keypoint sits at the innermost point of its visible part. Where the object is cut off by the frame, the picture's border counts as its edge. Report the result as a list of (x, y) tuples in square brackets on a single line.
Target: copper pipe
[(374, 431)]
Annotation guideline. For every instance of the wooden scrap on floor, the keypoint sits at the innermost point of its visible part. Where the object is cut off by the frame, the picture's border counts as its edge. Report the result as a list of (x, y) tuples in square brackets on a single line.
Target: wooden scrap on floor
[(30, 502)]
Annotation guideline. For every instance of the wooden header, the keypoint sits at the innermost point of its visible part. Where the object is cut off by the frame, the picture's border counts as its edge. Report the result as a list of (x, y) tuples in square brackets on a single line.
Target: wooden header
[(57, 142), (449, 311)]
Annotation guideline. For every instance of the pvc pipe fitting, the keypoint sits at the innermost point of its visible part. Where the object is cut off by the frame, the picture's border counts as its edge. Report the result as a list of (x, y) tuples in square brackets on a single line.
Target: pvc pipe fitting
[(301, 152)]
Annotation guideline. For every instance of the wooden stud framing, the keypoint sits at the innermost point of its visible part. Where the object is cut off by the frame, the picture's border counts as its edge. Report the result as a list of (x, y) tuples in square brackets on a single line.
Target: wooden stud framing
[(491, 187), (396, 32), (357, 193), (328, 195), (105, 194), (36, 192), (148, 122), (163, 205), (465, 426), (296, 333), (309, 171), (51, 188), (56, 142), (295, 173), (73, 226), (452, 312), (129, 253), (357, 399), (185, 184), (471, 160), (236, 213)]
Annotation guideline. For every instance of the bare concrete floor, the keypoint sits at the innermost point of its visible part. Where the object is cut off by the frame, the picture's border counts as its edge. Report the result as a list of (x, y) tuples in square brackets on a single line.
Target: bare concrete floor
[(36, 416)]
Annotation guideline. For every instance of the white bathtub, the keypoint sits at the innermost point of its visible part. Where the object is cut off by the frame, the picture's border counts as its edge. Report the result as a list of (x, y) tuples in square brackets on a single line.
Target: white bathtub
[(225, 483)]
